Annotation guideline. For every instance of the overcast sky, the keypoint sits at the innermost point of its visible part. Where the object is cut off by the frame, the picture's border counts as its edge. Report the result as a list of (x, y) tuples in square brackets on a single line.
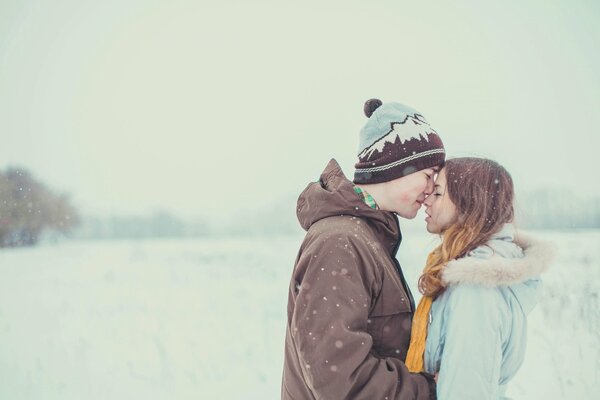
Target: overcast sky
[(206, 107)]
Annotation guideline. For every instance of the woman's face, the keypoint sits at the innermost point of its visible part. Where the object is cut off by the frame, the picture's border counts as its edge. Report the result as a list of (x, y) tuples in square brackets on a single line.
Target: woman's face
[(441, 212)]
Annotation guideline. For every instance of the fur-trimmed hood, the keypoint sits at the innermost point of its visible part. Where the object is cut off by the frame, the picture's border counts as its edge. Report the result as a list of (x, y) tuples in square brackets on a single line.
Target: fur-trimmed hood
[(511, 260), (507, 259)]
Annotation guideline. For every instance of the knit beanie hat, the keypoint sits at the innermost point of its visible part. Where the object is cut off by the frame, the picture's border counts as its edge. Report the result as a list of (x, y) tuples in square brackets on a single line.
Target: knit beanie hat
[(395, 142)]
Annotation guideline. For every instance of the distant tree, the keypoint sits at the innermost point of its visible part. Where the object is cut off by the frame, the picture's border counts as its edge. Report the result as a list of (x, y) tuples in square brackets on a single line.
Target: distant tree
[(28, 208), (156, 224)]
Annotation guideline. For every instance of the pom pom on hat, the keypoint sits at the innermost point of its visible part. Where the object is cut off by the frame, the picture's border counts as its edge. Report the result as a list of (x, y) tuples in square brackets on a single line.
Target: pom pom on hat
[(371, 105)]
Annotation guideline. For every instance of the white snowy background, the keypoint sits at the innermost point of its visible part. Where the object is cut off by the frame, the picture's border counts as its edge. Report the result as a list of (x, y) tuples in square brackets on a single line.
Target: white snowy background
[(205, 319), (221, 112)]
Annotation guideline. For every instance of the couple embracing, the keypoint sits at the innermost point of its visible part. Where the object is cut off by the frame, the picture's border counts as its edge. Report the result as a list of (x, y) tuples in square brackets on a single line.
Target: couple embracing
[(353, 329)]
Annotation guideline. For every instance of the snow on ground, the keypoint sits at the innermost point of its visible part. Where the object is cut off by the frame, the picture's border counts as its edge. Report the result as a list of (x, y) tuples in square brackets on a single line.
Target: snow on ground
[(205, 318)]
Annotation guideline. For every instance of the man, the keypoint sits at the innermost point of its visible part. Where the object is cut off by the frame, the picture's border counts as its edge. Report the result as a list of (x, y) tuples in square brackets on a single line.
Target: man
[(349, 306)]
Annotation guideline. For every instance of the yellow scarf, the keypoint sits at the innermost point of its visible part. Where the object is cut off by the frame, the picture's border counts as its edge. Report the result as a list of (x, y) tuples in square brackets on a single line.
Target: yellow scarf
[(418, 336)]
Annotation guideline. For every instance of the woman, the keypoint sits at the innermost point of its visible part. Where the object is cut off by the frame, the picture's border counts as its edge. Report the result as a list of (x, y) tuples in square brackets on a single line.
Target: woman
[(478, 286)]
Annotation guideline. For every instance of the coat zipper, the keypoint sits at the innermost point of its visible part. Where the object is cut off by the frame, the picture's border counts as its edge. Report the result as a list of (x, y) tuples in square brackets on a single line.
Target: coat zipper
[(399, 268)]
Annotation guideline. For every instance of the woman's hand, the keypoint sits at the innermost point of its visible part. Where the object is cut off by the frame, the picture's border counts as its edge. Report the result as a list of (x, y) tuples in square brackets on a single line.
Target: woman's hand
[(435, 377)]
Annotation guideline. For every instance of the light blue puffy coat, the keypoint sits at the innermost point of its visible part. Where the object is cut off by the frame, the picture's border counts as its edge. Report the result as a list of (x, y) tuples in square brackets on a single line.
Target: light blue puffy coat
[(478, 327)]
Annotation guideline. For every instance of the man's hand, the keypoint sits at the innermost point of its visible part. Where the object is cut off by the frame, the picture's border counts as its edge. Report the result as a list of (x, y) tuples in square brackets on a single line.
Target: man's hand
[(435, 377)]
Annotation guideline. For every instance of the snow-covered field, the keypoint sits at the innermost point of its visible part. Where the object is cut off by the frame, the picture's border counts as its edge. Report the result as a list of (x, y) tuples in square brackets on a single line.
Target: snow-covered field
[(205, 319)]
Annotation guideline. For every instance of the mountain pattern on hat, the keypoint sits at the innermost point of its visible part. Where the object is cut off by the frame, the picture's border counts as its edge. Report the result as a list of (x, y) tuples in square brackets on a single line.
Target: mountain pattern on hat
[(413, 127)]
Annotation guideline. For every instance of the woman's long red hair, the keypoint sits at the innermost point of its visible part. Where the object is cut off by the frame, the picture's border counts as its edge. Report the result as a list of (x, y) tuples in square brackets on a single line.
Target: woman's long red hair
[(482, 191)]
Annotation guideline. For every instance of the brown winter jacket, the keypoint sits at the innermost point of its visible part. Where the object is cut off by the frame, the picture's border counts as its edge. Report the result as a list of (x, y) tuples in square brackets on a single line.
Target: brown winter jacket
[(349, 308)]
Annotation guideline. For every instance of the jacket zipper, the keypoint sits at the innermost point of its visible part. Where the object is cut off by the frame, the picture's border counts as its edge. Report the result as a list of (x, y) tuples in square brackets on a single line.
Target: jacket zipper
[(399, 268)]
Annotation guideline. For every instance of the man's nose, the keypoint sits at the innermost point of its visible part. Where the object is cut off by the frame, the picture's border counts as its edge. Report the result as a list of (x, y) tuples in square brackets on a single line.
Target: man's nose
[(427, 201), (429, 188)]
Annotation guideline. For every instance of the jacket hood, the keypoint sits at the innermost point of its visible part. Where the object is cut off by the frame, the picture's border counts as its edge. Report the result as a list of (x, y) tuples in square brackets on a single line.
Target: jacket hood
[(508, 259), (334, 195)]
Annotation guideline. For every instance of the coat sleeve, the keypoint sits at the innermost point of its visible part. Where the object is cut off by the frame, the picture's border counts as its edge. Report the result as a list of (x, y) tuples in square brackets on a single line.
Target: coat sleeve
[(472, 353), (329, 330)]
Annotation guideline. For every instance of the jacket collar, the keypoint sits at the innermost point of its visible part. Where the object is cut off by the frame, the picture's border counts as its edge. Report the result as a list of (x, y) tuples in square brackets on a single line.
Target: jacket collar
[(334, 195), (500, 271)]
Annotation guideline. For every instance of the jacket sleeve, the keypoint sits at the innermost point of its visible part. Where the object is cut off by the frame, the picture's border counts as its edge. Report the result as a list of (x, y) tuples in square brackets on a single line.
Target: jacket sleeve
[(329, 330), (472, 354)]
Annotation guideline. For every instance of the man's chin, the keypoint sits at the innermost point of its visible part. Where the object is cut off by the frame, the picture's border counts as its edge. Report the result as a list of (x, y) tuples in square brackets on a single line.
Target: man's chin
[(406, 215)]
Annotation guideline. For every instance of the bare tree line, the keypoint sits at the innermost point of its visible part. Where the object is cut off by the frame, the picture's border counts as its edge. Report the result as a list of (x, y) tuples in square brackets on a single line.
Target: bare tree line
[(30, 211)]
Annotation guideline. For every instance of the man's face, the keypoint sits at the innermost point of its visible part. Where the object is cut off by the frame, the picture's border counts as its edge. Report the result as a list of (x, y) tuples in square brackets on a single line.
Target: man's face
[(406, 195)]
